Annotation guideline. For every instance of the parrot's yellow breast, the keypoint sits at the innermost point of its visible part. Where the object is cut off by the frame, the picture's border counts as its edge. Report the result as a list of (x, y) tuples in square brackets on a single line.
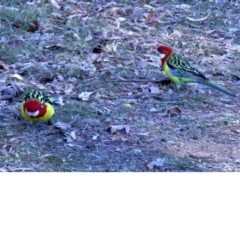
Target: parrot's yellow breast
[(167, 72)]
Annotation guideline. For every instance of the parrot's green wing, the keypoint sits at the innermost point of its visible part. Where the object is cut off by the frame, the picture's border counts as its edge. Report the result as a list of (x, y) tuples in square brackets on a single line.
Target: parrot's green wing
[(43, 97), (180, 67)]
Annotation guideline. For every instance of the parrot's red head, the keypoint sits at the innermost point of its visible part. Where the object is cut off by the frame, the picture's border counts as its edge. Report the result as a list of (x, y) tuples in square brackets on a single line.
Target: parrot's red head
[(34, 108), (165, 52)]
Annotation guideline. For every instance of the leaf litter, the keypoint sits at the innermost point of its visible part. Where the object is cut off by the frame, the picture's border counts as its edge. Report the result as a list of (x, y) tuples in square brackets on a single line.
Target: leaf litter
[(101, 59)]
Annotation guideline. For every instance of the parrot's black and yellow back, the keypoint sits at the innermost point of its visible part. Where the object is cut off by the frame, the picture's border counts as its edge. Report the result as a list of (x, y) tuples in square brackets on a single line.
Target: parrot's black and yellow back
[(37, 106)]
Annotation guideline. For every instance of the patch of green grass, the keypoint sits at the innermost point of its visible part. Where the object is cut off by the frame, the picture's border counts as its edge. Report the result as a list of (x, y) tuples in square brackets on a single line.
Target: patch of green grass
[(80, 109), (16, 19), (8, 54)]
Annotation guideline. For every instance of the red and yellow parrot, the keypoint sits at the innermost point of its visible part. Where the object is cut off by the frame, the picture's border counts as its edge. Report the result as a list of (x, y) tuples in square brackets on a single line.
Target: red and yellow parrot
[(180, 70), (37, 106)]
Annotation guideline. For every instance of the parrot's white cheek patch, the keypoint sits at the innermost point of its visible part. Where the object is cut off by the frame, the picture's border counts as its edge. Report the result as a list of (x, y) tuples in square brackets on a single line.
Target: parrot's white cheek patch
[(162, 55), (32, 114)]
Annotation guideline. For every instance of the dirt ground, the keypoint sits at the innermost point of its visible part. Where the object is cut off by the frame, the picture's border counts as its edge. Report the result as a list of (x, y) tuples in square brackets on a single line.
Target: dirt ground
[(120, 112)]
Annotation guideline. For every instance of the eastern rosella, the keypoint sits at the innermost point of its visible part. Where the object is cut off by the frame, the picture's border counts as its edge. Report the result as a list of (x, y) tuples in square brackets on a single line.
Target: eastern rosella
[(180, 70), (37, 106)]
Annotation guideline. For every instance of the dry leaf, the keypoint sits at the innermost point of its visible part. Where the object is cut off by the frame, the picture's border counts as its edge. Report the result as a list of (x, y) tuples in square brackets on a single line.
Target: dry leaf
[(10, 91), (74, 11), (17, 76), (154, 89), (102, 8), (73, 135), (234, 29), (143, 133), (116, 128), (112, 47), (183, 6), (97, 58), (157, 163), (85, 95), (45, 157), (176, 34), (62, 125), (159, 16), (17, 43), (4, 66), (118, 136), (95, 137), (33, 26), (210, 31), (75, 35), (128, 105), (198, 19), (148, 6), (68, 138), (55, 4), (16, 169), (55, 46), (173, 112), (153, 110), (121, 19), (149, 17), (103, 110), (88, 38)]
